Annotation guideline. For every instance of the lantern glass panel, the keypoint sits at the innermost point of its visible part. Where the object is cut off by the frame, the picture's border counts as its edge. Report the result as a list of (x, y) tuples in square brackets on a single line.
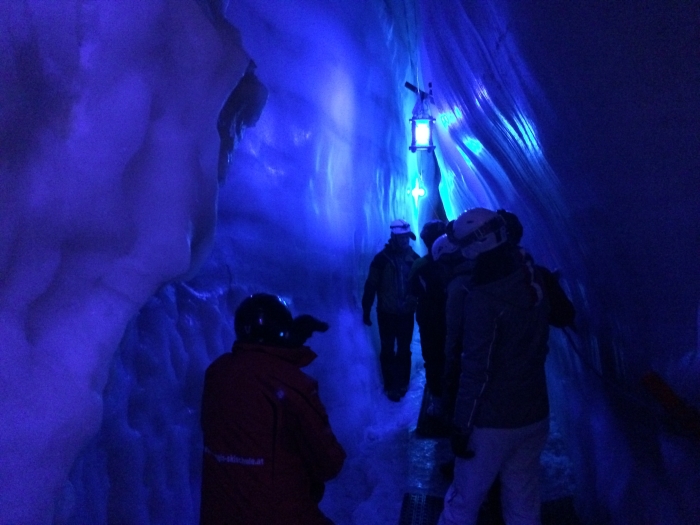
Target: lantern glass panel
[(422, 132)]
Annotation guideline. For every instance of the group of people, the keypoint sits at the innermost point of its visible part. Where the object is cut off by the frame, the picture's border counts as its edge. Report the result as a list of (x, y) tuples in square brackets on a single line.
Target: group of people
[(483, 309)]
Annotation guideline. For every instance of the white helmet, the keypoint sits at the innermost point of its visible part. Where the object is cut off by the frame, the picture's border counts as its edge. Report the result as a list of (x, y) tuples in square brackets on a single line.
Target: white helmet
[(477, 231), (442, 248), (401, 227)]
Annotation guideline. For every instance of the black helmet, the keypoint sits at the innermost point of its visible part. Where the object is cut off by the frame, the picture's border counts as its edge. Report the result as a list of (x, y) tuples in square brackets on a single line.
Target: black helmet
[(431, 231), (263, 318), (514, 228)]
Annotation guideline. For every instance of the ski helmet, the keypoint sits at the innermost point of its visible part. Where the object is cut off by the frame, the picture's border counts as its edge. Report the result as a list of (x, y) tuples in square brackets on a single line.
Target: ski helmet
[(443, 248), (476, 231), (514, 228), (431, 231), (401, 227), (263, 318)]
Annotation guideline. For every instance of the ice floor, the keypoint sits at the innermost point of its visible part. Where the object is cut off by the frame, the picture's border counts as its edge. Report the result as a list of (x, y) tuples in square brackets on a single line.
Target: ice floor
[(395, 460)]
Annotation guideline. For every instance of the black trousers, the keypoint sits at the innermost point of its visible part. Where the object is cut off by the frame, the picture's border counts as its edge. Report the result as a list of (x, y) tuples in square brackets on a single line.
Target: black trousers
[(395, 335), (432, 342)]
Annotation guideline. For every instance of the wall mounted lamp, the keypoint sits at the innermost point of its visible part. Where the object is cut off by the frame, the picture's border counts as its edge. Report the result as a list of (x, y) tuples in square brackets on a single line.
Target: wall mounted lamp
[(421, 121)]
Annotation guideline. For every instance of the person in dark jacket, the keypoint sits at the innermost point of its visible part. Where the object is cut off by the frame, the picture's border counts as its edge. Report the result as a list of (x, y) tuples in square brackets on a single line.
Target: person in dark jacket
[(427, 282), (458, 271), (388, 281), (268, 445), (501, 417)]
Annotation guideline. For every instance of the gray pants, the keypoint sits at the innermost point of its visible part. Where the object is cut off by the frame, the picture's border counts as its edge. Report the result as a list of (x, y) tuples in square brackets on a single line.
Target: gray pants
[(512, 453)]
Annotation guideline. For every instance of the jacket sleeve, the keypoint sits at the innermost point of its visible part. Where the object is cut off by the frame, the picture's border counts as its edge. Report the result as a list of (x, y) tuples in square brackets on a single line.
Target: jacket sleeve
[(454, 313), (480, 332), (371, 285), (321, 452)]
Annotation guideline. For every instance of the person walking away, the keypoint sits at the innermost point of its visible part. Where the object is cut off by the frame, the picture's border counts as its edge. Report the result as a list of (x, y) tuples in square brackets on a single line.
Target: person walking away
[(268, 445), (427, 281), (501, 418), (459, 272), (388, 281)]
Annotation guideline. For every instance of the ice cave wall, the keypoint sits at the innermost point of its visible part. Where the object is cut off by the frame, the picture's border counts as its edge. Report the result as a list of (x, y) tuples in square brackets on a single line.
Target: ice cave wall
[(107, 192), (108, 151), (307, 201), (582, 119)]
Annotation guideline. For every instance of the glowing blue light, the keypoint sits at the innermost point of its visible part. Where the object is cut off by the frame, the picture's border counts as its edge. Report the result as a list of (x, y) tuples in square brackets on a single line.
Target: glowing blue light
[(474, 145), (450, 117), (421, 129), (422, 133), (446, 119), (417, 192)]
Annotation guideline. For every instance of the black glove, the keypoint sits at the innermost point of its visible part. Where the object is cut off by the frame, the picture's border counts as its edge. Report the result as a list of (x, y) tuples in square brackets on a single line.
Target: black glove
[(366, 319), (459, 441), (303, 327)]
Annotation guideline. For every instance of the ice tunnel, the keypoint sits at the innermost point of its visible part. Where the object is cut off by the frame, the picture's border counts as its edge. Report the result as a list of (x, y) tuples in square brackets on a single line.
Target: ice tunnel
[(162, 160)]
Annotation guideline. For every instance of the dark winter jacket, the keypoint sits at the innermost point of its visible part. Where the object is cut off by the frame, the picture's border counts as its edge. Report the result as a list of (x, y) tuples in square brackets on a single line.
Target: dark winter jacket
[(457, 289), (388, 280), (505, 344), (427, 281), (268, 446)]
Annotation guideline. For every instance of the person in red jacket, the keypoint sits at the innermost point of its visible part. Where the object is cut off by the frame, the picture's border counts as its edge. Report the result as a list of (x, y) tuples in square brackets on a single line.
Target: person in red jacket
[(268, 445)]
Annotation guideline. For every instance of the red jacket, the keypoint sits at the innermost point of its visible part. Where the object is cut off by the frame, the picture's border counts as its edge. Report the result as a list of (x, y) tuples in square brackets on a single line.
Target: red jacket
[(268, 446)]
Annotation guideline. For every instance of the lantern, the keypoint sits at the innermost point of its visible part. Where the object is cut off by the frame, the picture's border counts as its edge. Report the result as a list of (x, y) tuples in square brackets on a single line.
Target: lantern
[(421, 121), (421, 133)]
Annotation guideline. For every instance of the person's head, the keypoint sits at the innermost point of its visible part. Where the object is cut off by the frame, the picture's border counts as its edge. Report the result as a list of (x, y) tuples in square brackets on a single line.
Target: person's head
[(263, 318), (514, 228), (431, 231), (477, 231), (401, 234)]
